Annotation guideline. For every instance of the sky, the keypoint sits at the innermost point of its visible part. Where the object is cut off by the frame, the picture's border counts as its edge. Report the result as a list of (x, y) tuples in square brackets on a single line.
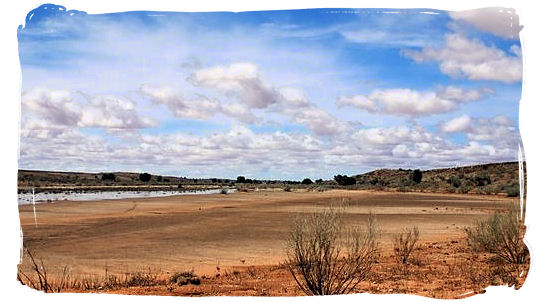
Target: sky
[(268, 94)]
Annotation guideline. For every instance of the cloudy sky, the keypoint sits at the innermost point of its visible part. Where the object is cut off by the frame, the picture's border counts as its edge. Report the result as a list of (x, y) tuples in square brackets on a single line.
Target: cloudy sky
[(277, 94)]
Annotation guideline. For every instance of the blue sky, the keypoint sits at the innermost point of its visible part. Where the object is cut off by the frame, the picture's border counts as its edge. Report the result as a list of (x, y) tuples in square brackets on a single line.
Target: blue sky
[(269, 94)]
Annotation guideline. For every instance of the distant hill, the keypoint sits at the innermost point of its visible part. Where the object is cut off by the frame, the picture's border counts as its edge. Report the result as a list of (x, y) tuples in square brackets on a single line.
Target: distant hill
[(54, 180), (495, 178)]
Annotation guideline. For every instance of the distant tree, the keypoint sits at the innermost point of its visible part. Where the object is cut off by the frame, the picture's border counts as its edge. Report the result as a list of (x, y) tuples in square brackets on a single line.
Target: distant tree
[(417, 175), (248, 181), (159, 178), (108, 176), (240, 179), (307, 181), (145, 177), (344, 180), (319, 181)]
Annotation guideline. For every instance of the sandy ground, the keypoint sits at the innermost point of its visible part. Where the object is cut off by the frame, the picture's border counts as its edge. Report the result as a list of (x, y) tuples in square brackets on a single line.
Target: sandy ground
[(206, 233)]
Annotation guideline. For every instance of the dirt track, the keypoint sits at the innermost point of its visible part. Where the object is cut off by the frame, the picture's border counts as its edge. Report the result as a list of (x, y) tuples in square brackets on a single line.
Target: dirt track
[(203, 232)]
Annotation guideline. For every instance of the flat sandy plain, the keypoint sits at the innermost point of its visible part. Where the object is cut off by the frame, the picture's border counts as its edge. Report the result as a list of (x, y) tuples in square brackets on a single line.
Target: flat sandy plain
[(209, 233)]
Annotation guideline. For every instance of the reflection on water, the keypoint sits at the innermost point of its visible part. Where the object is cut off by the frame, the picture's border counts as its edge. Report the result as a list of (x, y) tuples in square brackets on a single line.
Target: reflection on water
[(26, 198)]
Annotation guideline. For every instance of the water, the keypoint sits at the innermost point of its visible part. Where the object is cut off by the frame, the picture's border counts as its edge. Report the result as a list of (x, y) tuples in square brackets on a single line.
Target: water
[(26, 198)]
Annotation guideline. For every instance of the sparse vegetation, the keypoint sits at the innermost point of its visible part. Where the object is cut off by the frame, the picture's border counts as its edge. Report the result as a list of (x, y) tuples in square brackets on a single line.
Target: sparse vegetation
[(501, 234), (321, 261), (404, 244)]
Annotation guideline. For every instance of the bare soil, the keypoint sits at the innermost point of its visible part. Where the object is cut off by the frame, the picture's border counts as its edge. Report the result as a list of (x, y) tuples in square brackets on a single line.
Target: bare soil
[(236, 242)]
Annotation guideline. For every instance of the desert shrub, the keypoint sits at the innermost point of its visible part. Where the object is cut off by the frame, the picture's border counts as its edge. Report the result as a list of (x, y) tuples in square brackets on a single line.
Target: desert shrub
[(417, 176), (159, 178), (287, 189), (145, 177), (319, 181), (41, 280), (482, 179), (223, 191), (142, 279), (404, 244), (307, 181), (324, 259), (108, 176), (512, 190), (454, 181), (183, 278), (465, 187), (501, 234), (344, 180)]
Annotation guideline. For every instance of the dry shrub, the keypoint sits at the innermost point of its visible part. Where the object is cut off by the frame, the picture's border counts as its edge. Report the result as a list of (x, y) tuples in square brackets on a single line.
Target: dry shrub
[(325, 259), (41, 280), (404, 244), (183, 278), (142, 279), (501, 234)]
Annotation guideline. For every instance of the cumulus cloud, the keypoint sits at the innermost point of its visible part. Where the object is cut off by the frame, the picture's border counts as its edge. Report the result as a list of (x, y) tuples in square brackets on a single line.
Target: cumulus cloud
[(114, 113), (410, 102), (462, 57), (357, 101), (498, 21), (54, 106), (59, 108), (320, 122), (200, 107), (498, 130), (238, 79), (293, 97), (462, 123)]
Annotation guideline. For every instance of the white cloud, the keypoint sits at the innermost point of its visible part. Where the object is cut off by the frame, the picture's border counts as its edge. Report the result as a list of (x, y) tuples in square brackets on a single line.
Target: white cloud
[(200, 107), (112, 112), (59, 108), (410, 102), (55, 106), (500, 131), (238, 79), (462, 123), (357, 101), (458, 94), (499, 21), (320, 122), (293, 97), (472, 59)]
